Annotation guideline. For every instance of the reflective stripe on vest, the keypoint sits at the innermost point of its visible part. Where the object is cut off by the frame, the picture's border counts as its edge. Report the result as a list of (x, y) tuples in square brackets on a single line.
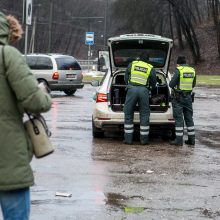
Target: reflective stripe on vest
[(140, 72), (187, 75)]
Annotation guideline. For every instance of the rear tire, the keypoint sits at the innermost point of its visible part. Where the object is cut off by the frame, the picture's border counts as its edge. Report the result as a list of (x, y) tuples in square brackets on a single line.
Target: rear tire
[(45, 84), (96, 132), (43, 81), (69, 92)]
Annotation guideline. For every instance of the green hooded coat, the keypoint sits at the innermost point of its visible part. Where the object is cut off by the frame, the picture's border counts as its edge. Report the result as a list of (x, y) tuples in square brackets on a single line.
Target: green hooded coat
[(18, 91)]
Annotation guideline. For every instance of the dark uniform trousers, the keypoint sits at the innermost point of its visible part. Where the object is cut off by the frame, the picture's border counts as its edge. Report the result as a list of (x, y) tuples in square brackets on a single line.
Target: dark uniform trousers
[(140, 95), (182, 107)]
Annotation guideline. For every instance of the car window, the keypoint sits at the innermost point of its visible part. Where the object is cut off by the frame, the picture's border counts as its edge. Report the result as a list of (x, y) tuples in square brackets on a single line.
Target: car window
[(103, 78), (103, 60), (39, 63), (67, 63)]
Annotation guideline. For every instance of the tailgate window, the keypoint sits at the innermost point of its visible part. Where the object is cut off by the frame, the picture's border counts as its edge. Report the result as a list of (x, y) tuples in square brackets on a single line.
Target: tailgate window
[(125, 52), (67, 63)]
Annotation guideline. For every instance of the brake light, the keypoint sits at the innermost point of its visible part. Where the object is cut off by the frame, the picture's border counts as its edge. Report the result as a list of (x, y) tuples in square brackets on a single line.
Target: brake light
[(101, 97), (104, 119), (55, 76)]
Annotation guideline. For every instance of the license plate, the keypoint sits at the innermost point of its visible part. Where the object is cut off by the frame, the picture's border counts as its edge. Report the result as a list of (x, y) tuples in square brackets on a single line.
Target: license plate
[(70, 76)]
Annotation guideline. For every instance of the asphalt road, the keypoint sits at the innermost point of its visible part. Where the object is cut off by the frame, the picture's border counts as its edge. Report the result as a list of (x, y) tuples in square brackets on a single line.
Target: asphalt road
[(112, 181)]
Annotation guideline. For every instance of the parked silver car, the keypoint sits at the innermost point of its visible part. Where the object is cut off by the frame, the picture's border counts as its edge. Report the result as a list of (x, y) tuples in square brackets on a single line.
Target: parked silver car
[(110, 96), (59, 72)]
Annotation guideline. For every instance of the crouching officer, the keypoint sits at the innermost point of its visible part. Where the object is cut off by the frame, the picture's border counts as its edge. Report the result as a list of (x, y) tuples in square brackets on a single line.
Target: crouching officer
[(182, 83), (140, 76)]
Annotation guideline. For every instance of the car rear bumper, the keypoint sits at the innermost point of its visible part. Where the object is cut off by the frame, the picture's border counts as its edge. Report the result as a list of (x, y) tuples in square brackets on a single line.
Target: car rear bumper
[(106, 119), (67, 86), (117, 126)]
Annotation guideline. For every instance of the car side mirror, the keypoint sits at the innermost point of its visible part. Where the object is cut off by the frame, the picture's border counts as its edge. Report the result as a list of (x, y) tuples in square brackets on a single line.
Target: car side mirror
[(95, 83)]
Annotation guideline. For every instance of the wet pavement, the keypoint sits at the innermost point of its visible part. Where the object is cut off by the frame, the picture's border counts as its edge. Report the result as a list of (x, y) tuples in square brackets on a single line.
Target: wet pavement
[(112, 181)]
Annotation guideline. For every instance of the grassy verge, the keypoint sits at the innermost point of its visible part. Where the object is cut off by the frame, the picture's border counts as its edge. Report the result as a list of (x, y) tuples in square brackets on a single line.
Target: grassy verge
[(202, 80), (88, 79), (209, 80)]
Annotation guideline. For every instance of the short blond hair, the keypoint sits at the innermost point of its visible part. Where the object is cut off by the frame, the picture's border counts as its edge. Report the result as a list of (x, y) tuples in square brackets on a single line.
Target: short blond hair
[(15, 29)]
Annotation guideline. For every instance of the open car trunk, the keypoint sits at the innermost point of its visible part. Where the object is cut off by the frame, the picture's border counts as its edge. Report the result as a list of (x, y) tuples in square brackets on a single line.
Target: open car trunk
[(159, 96)]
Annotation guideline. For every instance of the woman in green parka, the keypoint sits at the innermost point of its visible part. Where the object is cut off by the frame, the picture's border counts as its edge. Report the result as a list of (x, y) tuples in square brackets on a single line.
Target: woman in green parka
[(19, 92)]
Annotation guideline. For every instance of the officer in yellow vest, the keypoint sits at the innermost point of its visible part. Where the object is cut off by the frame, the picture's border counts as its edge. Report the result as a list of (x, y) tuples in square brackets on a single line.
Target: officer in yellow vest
[(182, 84), (140, 76)]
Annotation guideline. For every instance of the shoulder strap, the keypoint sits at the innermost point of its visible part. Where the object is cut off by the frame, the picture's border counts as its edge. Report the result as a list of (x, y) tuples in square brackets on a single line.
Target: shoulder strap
[(3, 57)]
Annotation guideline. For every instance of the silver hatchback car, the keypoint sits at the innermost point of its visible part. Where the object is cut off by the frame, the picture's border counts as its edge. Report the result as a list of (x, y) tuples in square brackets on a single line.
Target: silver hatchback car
[(111, 92), (59, 72)]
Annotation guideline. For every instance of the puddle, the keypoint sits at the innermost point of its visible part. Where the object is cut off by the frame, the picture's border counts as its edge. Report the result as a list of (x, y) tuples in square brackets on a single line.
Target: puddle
[(209, 138)]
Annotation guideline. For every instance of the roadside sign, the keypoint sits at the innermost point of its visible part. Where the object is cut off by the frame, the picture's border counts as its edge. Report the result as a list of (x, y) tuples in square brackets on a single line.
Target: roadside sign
[(89, 38), (28, 12)]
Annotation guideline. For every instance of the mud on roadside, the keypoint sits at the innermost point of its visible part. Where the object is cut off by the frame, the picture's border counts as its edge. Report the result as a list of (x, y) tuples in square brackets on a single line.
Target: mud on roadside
[(209, 138)]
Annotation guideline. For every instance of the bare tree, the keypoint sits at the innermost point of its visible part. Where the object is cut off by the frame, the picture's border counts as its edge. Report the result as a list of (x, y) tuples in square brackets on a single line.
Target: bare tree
[(171, 22), (217, 21), (213, 12), (184, 21), (70, 20), (195, 3)]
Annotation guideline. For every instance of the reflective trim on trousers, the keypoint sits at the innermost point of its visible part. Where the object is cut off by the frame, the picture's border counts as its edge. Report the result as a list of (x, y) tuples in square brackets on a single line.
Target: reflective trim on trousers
[(190, 128), (179, 134), (129, 131), (191, 133), (128, 126), (144, 127), (179, 128), (144, 133)]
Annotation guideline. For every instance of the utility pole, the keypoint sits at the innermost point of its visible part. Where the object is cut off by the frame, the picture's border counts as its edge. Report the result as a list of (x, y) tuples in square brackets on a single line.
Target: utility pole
[(32, 42), (105, 25), (23, 13), (50, 26), (28, 18)]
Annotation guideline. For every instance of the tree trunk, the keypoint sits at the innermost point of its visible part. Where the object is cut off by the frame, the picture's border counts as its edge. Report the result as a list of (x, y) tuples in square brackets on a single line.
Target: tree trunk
[(197, 11), (170, 22), (183, 18), (217, 24), (179, 31)]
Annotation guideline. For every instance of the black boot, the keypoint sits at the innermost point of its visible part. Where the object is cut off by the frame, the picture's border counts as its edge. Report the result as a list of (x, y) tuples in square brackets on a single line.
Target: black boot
[(178, 141), (191, 140), (144, 142), (128, 138), (126, 142), (144, 139)]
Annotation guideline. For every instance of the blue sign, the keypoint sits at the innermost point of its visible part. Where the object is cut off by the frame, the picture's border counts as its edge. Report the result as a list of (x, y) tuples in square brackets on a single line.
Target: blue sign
[(89, 38)]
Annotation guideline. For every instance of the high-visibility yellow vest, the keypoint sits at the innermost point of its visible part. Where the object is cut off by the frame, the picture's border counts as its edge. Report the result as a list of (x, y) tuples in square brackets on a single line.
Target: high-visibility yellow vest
[(140, 72), (187, 75)]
